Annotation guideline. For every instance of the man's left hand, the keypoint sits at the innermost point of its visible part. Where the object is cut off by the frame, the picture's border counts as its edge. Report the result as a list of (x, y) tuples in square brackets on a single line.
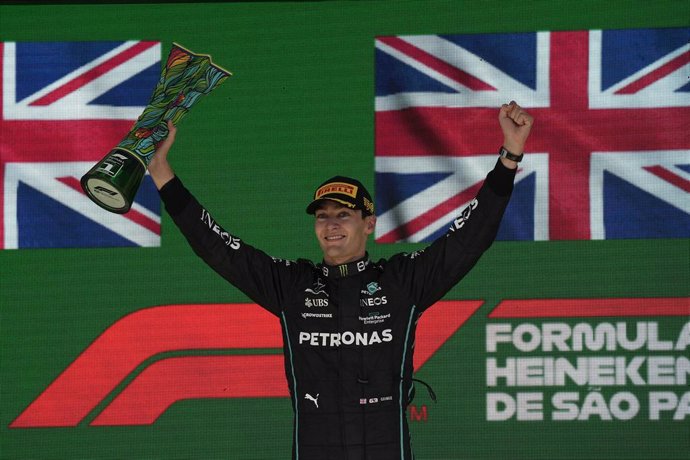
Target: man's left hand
[(516, 124)]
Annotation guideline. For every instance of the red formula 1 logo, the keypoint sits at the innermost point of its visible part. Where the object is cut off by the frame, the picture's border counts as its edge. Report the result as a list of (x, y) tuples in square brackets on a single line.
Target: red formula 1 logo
[(137, 348)]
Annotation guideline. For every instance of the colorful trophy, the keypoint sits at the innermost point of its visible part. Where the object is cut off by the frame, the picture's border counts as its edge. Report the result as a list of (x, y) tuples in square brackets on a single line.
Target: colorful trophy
[(113, 182)]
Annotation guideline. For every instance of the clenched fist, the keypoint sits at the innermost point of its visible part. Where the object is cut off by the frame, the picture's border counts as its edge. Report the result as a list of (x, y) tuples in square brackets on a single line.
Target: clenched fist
[(516, 124)]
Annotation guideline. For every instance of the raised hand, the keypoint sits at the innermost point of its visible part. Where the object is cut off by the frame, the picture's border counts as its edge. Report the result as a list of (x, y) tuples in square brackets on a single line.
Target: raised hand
[(516, 124), (159, 168)]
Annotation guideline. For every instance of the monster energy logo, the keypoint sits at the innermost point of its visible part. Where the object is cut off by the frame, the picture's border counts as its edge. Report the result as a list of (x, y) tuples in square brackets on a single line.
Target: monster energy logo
[(343, 270)]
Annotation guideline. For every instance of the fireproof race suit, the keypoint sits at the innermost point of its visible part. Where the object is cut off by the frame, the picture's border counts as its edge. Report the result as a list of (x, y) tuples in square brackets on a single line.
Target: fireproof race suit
[(348, 330)]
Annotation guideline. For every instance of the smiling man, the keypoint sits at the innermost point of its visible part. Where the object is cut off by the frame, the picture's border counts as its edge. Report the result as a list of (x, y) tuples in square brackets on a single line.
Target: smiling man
[(348, 322), (344, 219)]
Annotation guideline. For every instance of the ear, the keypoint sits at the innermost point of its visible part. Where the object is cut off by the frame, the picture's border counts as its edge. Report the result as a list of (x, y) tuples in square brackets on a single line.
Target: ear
[(370, 224)]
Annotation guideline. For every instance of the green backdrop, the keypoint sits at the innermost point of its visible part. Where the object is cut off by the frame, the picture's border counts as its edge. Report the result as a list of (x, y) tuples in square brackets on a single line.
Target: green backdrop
[(298, 109)]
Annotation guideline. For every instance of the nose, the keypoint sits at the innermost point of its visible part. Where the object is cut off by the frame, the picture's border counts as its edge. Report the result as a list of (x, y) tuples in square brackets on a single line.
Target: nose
[(332, 223)]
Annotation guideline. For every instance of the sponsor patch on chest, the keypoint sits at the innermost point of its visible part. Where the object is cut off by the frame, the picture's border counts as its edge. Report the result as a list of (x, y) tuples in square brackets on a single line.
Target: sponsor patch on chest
[(374, 317), (372, 296), (336, 339)]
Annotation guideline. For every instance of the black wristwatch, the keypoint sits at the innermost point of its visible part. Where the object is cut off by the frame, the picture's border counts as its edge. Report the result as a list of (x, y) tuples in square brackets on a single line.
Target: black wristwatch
[(503, 152)]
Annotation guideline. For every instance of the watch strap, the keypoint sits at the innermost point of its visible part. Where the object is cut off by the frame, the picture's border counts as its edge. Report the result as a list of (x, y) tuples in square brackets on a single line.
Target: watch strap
[(505, 153)]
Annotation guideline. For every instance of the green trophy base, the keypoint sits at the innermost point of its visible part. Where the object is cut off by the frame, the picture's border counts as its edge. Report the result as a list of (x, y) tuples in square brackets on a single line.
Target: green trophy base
[(113, 182)]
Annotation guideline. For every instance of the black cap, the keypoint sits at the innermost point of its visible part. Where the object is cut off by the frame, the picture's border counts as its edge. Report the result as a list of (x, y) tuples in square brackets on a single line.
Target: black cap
[(346, 191)]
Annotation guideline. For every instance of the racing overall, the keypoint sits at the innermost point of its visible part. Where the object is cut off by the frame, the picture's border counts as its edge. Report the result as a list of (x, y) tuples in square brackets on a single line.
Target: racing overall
[(348, 330)]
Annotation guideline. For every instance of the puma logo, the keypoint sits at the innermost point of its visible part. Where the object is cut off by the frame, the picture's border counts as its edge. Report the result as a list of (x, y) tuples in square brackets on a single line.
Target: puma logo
[(313, 399)]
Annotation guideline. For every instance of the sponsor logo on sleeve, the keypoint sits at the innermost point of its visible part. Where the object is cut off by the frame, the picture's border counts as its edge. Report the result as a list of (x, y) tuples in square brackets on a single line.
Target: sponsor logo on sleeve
[(459, 222), (285, 262), (230, 241)]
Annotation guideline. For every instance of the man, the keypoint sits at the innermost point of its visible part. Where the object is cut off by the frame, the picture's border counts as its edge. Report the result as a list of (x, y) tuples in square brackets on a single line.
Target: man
[(348, 323)]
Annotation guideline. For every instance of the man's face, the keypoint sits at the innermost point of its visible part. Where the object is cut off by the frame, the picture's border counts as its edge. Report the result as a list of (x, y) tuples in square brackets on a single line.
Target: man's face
[(342, 232)]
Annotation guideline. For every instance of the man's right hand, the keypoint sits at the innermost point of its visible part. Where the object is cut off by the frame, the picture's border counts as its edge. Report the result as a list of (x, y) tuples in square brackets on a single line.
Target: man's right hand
[(159, 168)]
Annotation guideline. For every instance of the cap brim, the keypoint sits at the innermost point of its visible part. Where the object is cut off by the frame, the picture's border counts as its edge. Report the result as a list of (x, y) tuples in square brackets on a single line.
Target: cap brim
[(314, 205), (311, 209)]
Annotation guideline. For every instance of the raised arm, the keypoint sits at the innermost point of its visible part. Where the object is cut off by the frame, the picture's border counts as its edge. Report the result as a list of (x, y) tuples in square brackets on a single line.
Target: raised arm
[(267, 281), (431, 272)]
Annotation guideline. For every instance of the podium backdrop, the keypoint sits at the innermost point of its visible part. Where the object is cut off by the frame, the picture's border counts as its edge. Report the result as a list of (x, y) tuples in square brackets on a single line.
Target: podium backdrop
[(569, 339)]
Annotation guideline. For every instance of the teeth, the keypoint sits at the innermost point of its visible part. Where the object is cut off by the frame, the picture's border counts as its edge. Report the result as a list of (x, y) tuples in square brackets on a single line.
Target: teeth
[(338, 237)]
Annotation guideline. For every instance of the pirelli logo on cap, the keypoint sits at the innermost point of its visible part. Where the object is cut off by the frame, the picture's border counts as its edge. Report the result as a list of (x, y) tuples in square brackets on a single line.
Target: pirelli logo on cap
[(336, 187), (348, 192)]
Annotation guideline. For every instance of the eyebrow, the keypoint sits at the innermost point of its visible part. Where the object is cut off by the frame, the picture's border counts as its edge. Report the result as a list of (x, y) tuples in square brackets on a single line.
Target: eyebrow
[(337, 206)]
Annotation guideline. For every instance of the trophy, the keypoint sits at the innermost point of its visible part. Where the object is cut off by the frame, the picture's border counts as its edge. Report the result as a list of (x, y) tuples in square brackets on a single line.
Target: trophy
[(113, 182)]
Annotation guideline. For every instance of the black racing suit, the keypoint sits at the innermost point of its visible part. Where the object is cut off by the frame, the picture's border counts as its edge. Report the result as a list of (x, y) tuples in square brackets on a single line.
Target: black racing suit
[(348, 330)]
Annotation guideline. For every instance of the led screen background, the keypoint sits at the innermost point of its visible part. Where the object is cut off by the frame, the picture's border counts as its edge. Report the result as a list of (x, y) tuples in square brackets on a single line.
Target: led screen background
[(300, 108)]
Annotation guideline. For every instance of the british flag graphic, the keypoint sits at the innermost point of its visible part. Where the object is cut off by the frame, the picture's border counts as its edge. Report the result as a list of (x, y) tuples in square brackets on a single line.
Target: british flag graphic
[(608, 157), (63, 106)]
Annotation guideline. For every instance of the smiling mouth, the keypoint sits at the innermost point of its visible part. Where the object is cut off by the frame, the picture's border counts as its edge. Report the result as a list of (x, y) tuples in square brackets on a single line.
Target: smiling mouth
[(335, 237)]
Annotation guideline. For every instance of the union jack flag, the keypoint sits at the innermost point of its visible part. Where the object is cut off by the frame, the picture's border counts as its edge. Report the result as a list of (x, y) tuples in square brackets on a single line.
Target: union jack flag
[(608, 157), (63, 106)]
